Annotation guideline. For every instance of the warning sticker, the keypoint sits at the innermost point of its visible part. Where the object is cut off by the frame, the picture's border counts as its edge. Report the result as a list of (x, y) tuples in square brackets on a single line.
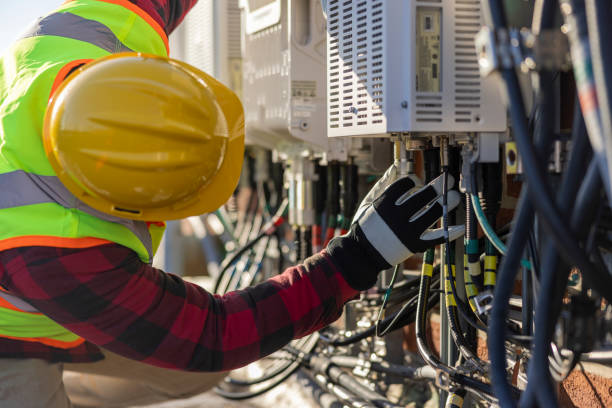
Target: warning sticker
[(428, 31)]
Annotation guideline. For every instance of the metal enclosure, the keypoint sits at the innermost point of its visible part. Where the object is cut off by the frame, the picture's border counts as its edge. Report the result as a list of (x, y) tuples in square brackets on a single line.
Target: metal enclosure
[(407, 66), (284, 74), (210, 39)]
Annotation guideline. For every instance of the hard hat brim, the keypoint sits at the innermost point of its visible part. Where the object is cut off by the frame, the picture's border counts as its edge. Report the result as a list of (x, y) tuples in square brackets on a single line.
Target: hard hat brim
[(221, 187)]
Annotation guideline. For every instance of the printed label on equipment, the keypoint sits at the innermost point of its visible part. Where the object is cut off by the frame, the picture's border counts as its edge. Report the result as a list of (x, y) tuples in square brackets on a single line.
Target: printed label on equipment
[(302, 98), (304, 89), (428, 50)]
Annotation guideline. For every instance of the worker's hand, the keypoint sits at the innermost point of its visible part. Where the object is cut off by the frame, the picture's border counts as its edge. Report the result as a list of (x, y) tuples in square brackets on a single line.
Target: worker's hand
[(396, 223), (391, 228)]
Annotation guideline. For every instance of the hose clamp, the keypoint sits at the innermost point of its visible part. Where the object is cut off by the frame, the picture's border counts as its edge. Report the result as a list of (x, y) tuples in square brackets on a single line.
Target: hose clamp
[(443, 380)]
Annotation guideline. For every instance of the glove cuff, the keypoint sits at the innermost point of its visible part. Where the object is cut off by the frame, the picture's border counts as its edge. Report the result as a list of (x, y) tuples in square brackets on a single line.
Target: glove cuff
[(358, 261)]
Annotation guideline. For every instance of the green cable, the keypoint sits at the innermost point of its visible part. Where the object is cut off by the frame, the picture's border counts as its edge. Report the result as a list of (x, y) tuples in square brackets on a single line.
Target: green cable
[(488, 230), (226, 224), (385, 299)]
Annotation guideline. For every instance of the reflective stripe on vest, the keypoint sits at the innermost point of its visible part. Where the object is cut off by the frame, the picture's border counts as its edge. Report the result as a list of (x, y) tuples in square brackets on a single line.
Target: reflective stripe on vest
[(20, 188), (33, 202), (50, 189), (70, 25), (18, 302)]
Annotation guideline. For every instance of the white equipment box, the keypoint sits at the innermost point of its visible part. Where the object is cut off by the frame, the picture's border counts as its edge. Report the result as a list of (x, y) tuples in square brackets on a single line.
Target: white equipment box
[(284, 74), (404, 66), (210, 39)]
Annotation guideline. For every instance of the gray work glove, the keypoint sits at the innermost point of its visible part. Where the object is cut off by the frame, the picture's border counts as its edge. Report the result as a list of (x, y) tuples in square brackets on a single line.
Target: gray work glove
[(391, 227)]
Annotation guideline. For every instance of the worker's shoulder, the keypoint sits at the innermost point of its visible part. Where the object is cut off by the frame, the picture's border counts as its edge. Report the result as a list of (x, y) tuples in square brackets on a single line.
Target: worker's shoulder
[(168, 13)]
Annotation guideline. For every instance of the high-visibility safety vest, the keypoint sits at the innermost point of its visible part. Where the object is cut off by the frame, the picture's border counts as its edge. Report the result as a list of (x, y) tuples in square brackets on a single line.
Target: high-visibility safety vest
[(35, 208)]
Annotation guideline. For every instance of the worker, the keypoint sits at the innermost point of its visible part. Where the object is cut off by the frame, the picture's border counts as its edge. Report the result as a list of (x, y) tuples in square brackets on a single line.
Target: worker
[(102, 138)]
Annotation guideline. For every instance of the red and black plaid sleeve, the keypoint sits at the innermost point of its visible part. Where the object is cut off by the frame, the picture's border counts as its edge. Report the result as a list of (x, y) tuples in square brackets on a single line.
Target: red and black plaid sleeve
[(168, 13), (108, 296)]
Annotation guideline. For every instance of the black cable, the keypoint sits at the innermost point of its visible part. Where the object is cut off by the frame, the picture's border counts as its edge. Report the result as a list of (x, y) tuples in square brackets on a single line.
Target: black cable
[(256, 387), (599, 16), (237, 274), (337, 393), (471, 384), (533, 252), (319, 198), (269, 228), (553, 282), (581, 154), (332, 205), (526, 302), (471, 241), (421, 317), (410, 305), (297, 243), (540, 192), (406, 315), (277, 181), (258, 263), (490, 202), (306, 241), (418, 373), (405, 284), (345, 203), (455, 329), (511, 261), (336, 374), (269, 375)]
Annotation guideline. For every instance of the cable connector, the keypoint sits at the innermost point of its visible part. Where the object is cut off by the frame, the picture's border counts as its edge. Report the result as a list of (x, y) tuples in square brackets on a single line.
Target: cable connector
[(484, 302), (514, 48)]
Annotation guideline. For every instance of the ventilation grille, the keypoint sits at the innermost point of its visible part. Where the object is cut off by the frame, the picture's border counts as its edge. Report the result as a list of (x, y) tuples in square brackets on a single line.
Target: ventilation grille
[(355, 63), (199, 36), (233, 29), (467, 77), (428, 108)]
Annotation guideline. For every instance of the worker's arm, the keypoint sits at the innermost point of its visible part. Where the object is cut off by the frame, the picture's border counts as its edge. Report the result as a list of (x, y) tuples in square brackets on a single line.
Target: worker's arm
[(167, 13), (108, 296), (111, 298)]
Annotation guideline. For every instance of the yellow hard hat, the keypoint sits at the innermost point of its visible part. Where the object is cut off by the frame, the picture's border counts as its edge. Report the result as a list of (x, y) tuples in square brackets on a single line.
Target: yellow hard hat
[(145, 137)]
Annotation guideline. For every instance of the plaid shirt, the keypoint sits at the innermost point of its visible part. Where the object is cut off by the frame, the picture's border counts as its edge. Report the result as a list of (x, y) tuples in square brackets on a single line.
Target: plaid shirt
[(167, 13), (109, 297)]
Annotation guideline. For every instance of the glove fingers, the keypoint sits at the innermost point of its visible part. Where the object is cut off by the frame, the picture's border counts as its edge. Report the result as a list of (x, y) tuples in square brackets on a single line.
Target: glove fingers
[(430, 215), (398, 189), (417, 201), (436, 236), (412, 203)]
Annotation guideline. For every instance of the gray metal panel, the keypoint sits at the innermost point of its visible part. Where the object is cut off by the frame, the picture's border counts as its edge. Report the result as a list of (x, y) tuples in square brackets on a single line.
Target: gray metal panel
[(284, 80)]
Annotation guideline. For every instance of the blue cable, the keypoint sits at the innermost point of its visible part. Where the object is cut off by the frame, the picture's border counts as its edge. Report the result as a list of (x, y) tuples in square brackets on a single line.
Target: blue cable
[(488, 230)]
